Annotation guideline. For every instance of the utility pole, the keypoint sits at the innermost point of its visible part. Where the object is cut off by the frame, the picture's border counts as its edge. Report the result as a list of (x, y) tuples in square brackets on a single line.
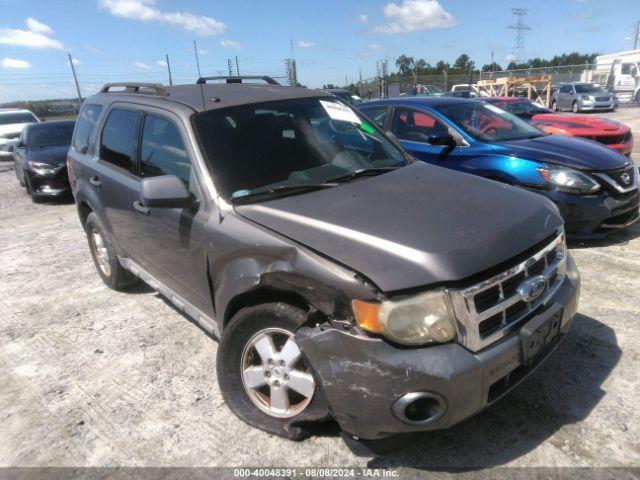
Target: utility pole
[(169, 69), (520, 28), (195, 50), (237, 66), (230, 67), (635, 40), (75, 77)]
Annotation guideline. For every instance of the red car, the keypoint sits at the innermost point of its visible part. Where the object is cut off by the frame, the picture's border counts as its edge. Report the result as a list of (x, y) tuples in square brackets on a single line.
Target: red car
[(608, 132)]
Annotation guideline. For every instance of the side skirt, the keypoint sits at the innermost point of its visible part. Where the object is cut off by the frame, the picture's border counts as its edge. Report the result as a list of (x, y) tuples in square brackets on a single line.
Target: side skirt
[(209, 324)]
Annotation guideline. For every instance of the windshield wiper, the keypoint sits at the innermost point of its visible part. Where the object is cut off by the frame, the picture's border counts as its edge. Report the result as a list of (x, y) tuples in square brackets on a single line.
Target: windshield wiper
[(283, 189), (364, 172)]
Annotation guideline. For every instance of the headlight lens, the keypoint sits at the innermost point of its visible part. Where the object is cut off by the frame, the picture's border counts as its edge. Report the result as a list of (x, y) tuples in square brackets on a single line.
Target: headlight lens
[(586, 97), (568, 180), (418, 320), (41, 168)]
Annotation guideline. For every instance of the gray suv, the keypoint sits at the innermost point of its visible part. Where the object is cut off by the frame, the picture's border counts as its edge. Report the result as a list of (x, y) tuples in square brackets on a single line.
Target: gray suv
[(582, 97), (343, 279)]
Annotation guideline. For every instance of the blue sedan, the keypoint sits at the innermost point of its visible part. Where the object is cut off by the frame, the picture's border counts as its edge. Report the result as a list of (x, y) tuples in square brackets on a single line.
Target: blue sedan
[(595, 188)]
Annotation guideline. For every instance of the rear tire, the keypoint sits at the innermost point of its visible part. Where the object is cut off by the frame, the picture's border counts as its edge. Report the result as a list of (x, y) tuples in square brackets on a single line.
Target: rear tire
[(269, 401), (113, 274)]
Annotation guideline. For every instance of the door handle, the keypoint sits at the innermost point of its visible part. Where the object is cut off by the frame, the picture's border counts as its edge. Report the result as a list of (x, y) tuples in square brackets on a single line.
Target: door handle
[(95, 181), (141, 208)]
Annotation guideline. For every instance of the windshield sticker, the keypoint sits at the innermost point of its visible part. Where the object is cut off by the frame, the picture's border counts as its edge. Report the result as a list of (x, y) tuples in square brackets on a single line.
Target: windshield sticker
[(367, 128), (338, 111), (240, 193)]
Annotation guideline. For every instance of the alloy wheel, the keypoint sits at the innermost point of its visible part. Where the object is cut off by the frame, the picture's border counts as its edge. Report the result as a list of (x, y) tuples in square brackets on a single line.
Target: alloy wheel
[(101, 252), (274, 374)]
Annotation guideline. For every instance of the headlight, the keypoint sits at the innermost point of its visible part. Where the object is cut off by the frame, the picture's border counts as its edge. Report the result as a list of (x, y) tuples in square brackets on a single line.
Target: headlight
[(42, 168), (568, 180), (586, 97), (418, 320)]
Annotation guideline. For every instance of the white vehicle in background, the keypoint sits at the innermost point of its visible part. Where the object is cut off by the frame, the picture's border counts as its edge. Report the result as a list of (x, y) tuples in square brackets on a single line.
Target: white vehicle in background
[(466, 90), (619, 73), (12, 121)]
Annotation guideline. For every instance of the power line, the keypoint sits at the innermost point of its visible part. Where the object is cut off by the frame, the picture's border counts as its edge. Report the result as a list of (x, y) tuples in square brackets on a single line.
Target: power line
[(520, 29)]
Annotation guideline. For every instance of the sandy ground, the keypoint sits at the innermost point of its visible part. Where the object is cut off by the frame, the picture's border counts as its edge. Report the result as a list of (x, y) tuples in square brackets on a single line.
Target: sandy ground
[(92, 377)]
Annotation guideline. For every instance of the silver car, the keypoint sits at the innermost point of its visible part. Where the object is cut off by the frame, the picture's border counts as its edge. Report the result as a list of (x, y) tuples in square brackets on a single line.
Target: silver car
[(582, 97)]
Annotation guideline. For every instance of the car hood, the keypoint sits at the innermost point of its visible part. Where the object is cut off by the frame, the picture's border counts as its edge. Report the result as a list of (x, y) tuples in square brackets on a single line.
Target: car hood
[(53, 155), (12, 129), (416, 226), (580, 124), (572, 152)]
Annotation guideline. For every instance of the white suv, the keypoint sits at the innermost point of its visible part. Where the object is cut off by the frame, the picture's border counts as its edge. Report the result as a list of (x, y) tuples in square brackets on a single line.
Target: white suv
[(11, 123)]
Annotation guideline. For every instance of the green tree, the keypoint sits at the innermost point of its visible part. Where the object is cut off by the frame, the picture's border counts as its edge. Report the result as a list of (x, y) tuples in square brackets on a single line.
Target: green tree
[(405, 65)]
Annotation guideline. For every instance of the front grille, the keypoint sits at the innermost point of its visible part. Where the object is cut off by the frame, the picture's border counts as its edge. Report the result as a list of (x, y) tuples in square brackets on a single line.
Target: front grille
[(489, 310), (622, 180), (613, 139), (622, 220), (603, 99)]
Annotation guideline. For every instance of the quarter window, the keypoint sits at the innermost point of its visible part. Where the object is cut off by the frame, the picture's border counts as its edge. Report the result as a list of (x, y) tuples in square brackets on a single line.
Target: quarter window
[(119, 139), (84, 127)]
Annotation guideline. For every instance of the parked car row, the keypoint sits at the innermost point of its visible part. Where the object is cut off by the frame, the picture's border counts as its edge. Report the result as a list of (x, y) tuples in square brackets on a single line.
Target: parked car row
[(594, 187), (347, 274)]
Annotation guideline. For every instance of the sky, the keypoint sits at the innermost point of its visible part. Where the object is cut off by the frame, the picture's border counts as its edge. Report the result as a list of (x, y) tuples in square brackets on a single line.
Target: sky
[(116, 40)]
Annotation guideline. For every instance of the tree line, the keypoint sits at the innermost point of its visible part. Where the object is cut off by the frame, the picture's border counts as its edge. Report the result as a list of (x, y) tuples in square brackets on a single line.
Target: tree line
[(409, 66)]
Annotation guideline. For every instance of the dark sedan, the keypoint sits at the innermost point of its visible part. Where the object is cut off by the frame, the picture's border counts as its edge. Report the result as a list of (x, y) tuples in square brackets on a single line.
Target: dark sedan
[(40, 158)]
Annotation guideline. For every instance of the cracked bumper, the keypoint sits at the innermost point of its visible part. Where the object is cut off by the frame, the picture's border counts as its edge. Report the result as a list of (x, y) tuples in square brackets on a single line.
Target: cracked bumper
[(362, 377)]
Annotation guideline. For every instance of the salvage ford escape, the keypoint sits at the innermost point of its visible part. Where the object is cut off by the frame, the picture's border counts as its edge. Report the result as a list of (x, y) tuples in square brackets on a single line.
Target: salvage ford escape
[(286, 225)]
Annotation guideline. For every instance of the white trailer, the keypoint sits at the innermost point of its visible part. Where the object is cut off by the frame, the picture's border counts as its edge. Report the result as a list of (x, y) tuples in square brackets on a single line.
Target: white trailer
[(619, 73)]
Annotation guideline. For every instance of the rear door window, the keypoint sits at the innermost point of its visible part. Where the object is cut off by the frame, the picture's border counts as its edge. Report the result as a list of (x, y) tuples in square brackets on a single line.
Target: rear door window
[(85, 124), (120, 138)]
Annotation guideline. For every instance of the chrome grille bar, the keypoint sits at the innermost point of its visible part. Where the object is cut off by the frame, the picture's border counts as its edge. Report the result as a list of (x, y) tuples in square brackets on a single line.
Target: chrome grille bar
[(469, 319)]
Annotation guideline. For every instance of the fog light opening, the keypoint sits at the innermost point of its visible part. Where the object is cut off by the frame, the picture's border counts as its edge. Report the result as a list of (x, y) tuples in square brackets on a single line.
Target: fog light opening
[(419, 408)]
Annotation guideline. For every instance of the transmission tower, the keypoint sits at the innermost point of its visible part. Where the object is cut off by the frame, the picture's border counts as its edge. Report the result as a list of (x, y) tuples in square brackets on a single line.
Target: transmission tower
[(520, 28)]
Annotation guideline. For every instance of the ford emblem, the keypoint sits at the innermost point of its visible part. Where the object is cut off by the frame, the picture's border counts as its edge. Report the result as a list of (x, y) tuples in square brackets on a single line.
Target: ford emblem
[(532, 288)]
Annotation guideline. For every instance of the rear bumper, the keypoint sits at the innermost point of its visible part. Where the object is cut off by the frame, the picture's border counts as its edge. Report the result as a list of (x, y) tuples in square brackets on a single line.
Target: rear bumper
[(363, 378)]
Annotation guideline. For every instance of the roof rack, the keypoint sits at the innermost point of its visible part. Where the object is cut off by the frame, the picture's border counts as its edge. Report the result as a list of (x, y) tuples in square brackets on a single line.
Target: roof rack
[(135, 87), (239, 79)]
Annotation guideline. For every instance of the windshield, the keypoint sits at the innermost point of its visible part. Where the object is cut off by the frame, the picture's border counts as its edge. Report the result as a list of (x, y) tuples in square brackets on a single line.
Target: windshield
[(292, 143), (13, 118), (488, 123), (588, 88), (524, 109), (49, 135)]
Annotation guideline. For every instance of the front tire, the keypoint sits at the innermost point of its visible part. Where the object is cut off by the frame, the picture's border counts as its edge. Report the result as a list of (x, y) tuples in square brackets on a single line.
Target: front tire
[(554, 106), (264, 378), (575, 107), (113, 274)]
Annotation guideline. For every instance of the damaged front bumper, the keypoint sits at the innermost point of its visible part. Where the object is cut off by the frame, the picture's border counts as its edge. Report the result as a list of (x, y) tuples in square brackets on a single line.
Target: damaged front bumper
[(368, 381)]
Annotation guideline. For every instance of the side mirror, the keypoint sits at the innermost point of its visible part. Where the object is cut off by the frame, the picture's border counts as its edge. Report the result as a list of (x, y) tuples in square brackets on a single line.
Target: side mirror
[(20, 144), (166, 191), (444, 139)]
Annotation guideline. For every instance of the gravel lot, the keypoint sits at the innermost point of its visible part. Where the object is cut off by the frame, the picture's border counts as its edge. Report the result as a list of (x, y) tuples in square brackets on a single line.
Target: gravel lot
[(92, 377)]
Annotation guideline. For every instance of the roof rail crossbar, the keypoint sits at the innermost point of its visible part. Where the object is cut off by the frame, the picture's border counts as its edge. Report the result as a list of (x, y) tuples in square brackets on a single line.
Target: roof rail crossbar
[(239, 79), (135, 87)]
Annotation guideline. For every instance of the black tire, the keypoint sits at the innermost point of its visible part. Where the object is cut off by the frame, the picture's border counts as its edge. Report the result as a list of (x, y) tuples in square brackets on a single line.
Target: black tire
[(638, 98), (34, 198), (575, 108), (241, 329), (115, 276), (554, 106)]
